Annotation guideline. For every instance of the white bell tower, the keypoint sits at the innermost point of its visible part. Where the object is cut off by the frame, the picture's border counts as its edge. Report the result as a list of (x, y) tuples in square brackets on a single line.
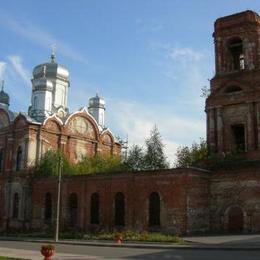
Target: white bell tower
[(97, 109)]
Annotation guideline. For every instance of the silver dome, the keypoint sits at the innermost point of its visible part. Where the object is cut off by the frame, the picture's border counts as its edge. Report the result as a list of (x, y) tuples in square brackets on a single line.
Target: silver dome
[(96, 102), (51, 69)]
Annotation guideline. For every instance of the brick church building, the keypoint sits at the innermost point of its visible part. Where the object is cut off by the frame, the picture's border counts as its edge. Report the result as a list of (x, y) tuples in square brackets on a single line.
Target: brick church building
[(182, 200)]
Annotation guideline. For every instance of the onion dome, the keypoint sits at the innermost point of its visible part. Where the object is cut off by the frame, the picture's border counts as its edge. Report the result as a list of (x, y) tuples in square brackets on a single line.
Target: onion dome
[(96, 102), (51, 70), (4, 97)]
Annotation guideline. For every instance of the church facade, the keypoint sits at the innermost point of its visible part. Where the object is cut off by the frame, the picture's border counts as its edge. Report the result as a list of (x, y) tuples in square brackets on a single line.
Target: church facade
[(24, 138), (225, 198)]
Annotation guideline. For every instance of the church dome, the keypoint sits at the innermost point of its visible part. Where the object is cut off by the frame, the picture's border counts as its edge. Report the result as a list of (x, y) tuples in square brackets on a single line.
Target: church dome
[(4, 98), (51, 70), (96, 102), (42, 84)]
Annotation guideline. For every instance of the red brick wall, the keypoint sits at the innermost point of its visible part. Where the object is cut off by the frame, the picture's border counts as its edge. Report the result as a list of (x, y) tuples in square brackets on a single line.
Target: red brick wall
[(183, 195)]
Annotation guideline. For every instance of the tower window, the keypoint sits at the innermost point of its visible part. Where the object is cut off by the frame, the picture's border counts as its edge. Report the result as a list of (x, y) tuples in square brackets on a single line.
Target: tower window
[(236, 50), (35, 102), (238, 132)]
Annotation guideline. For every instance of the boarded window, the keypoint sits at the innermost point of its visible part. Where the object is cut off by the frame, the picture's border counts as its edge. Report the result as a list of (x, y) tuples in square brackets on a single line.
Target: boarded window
[(94, 209), (48, 207), (119, 209), (238, 132), (16, 206), (19, 158), (154, 209), (73, 209)]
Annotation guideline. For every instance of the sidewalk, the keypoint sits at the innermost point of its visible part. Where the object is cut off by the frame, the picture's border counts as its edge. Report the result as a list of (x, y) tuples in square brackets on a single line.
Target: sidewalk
[(36, 255), (227, 242)]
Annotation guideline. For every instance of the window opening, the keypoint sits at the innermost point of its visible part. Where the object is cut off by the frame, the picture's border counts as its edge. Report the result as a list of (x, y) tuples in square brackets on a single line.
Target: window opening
[(236, 50), (239, 137)]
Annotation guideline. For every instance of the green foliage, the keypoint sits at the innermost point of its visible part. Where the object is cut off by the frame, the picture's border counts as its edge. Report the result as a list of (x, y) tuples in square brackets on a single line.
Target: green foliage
[(151, 158), (135, 158), (154, 157), (99, 164), (188, 156), (134, 236), (48, 165)]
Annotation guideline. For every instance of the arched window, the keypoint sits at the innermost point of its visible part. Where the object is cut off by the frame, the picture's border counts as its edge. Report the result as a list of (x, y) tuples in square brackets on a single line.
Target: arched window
[(19, 158), (1, 159), (119, 209), (154, 209), (16, 206), (48, 207), (73, 208), (236, 50), (94, 209)]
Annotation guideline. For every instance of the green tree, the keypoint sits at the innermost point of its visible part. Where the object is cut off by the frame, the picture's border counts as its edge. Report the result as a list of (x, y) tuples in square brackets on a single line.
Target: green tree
[(188, 156), (135, 158), (154, 157), (96, 164), (48, 165)]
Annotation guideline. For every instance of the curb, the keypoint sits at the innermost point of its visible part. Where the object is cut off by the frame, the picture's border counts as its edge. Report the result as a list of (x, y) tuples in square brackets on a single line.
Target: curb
[(194, 246)]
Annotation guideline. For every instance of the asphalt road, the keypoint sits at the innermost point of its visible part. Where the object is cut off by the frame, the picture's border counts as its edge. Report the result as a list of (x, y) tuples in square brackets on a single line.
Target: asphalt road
[(134, 253)]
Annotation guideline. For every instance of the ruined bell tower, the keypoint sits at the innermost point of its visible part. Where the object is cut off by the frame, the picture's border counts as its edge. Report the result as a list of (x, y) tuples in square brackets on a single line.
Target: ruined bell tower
[(233, 106)]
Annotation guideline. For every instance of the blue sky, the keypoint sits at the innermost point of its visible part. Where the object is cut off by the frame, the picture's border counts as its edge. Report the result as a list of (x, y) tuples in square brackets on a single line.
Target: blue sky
[(149, 59)]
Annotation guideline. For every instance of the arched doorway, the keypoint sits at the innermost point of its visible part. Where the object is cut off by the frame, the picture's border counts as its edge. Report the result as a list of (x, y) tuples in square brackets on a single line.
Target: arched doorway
[(235, 220)]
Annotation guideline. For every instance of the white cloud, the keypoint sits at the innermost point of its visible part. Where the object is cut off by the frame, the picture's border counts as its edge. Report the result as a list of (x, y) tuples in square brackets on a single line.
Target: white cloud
[(2, 69), (137, 120), (186, 54), (20, 70), (39, 36)]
